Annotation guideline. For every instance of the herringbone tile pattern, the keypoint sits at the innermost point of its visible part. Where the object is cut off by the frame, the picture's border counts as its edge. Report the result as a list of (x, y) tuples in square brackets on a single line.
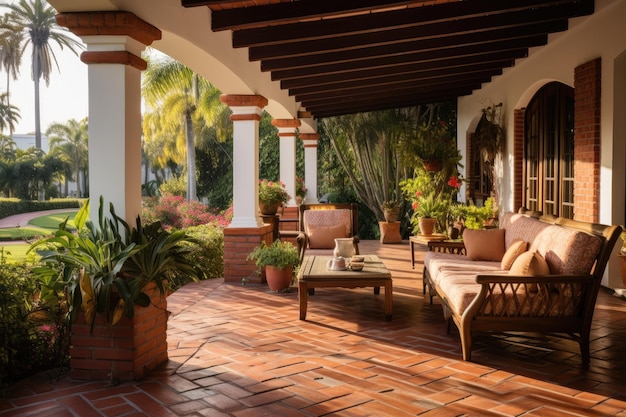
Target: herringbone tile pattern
[(241, 351)]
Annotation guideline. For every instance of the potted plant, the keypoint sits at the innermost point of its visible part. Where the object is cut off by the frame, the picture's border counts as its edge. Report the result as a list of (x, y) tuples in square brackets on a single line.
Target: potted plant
[(279, 261), (428, 210), (271, 195), (111, 271), (391, 209), (433, 147)]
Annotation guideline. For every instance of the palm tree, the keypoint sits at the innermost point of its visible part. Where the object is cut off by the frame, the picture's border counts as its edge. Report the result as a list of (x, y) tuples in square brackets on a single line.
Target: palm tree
[(37, 20), (9, 114), (70, 140), (10, 54), (185, 105)]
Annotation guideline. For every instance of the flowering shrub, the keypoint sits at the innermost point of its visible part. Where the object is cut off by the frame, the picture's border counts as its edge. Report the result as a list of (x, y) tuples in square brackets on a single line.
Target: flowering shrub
[(176, 212), (272, 192), (300, 187)]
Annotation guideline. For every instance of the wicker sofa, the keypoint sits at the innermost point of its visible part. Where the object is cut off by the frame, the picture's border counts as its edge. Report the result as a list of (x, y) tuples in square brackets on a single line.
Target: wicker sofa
[(534, 274)]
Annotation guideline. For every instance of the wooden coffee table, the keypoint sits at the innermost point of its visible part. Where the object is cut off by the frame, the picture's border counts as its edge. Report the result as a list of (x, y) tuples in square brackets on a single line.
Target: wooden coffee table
[(313, 274)]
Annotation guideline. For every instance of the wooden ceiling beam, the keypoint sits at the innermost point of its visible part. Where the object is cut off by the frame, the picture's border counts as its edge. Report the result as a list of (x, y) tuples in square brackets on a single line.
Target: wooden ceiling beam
[(465, 82), (408, 72), (403, 48), (504, 10), (395, 39), (292, 12), (340, 110), (449, 64)]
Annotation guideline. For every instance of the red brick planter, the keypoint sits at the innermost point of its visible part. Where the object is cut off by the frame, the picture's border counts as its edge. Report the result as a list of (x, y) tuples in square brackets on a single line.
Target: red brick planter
[(125, 351)]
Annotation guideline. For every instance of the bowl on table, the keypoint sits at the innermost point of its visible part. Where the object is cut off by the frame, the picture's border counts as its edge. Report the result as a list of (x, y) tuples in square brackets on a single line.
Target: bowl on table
[(356, 266)]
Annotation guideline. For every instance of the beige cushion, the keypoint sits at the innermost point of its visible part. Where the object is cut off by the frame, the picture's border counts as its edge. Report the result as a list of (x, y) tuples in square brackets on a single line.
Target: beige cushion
[(516, 249), (530, 264), (484, 245), (323, 237)]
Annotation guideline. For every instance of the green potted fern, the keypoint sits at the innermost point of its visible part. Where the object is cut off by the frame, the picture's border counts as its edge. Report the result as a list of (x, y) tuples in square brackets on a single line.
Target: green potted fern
[(278, 260)]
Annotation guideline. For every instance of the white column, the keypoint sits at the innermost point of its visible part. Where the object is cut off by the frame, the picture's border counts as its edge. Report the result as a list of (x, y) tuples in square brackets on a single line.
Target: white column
[(246, 117), (287, 136), (114, 44), (310, 165)]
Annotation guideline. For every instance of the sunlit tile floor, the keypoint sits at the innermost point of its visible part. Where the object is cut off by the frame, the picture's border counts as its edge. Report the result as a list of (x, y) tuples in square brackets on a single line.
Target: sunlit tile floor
[(240, 350)]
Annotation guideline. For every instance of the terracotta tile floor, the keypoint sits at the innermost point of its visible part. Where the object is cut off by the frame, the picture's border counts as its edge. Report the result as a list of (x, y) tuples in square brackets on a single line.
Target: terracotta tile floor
[(241, 351)]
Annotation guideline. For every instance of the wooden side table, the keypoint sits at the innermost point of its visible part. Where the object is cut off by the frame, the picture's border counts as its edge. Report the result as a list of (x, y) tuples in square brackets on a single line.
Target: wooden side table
[(423, 240)]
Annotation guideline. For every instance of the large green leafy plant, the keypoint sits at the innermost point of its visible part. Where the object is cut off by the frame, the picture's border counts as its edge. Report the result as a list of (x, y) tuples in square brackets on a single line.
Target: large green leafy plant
[(110, 262), (278, 254)]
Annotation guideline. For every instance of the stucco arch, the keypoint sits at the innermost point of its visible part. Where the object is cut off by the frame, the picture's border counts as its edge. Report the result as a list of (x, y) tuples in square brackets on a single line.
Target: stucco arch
[(532, 89)]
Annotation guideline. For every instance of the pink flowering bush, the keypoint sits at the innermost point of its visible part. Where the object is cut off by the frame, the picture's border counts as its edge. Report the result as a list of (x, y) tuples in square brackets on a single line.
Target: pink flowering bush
[(176, 212)]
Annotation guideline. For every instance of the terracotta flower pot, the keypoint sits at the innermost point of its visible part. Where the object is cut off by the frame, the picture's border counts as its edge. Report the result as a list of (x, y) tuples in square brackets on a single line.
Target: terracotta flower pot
[(269, 209), (278, 279), (391, 215), (427, 225)]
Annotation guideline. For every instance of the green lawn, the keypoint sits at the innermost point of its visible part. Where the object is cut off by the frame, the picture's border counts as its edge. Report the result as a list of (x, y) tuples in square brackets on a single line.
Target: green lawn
[(40, 226)]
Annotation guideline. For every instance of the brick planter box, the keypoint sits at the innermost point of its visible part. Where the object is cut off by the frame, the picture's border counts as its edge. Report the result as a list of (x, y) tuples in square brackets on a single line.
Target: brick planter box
[(125, 351)]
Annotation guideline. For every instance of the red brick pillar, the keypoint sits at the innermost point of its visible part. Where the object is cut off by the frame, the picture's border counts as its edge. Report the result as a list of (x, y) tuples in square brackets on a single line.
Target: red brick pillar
[(587, 100), (518, 159)]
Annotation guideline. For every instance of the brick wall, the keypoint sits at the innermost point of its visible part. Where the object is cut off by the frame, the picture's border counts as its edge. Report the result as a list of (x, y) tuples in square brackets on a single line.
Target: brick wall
[(125, 351), (238, 243), (587, 95)]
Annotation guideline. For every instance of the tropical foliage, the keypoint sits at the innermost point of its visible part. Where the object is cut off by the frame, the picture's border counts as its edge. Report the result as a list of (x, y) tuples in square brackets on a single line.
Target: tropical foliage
[(27, 174), (34, 332), (185, 111), (369, 148), (112, 258), (431, 142), (69, 142), (9, 114), (34, 25), (431, 195)]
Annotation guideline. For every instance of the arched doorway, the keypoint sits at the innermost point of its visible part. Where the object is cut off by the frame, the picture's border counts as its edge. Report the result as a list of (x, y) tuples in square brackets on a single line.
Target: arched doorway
[(549, 151)]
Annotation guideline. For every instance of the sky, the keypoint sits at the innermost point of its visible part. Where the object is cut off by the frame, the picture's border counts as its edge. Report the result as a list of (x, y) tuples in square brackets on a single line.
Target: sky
[(65, 98)]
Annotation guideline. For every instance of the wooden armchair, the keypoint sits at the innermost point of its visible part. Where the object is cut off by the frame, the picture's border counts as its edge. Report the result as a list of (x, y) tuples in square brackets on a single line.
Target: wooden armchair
[(320, 224)]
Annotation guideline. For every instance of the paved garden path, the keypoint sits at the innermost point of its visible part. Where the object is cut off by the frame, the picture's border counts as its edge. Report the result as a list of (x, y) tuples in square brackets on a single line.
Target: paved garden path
[(23, 219)]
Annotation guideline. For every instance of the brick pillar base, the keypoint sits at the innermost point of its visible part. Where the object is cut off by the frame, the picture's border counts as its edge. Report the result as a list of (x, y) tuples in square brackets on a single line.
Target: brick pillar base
[(125, 351), (238, 243)]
